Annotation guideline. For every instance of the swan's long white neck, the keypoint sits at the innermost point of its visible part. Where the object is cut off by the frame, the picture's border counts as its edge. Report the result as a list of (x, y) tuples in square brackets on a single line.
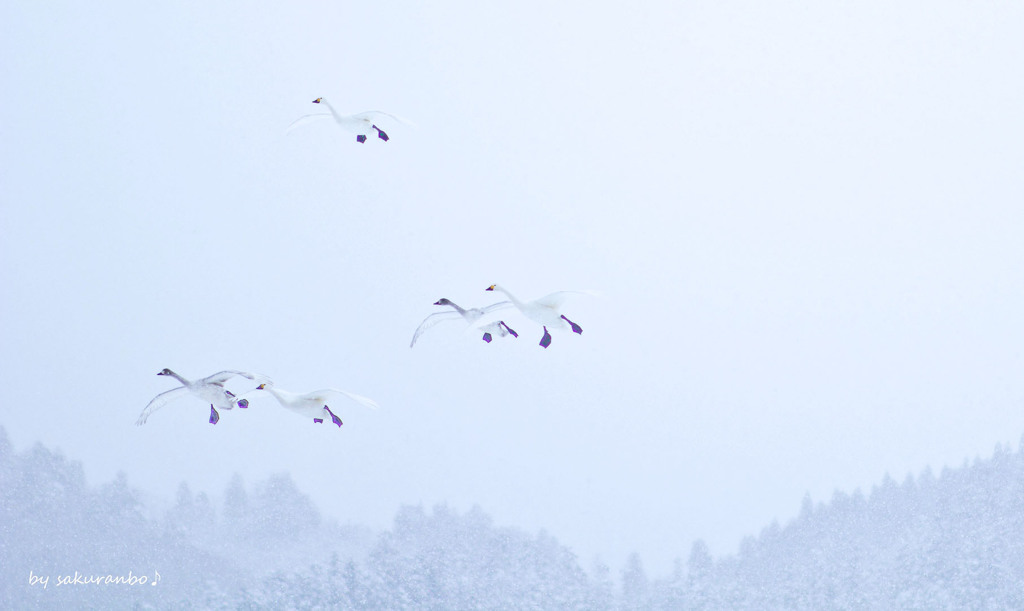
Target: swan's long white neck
[(511, 297), (177, 377), (457, 308), (334, 113), (280, 395)]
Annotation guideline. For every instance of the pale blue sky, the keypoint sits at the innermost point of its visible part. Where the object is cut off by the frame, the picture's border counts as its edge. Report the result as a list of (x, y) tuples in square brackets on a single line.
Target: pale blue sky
[(805, 220)]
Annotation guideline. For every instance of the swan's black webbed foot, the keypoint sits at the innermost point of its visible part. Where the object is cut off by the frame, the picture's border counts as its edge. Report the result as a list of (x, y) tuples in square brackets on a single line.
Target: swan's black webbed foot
[(487, 337), (546, 340), (575, 328), (318, 420), (361, 138), (214, 416), (242, 403), (508, 328), (334, 418), (380, 133)]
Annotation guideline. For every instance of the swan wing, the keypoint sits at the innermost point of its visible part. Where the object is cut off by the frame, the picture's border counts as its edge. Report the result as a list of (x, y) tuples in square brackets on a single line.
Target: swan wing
[(306, 119), (501, 305), (433, 319), (361, 400), (486, 316), (555, 300), (223, 376), (374, 115), (159, 401)]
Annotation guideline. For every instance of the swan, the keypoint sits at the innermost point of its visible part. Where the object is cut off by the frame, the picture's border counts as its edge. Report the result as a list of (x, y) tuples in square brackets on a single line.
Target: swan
[(313, 404), (471, 315), (545, 310), (210, 389), (360, 124)]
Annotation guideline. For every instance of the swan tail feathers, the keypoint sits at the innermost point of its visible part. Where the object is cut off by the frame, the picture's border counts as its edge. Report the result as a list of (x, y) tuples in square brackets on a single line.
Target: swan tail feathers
[(361, 400)]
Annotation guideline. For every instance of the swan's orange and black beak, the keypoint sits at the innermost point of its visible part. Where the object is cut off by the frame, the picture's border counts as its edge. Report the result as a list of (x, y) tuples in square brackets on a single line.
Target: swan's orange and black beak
[(261, 387), (490, 288), (317, 101)]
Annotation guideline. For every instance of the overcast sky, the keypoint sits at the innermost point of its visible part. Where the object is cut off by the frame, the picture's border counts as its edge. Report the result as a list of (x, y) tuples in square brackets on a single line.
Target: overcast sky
[(805, 221)]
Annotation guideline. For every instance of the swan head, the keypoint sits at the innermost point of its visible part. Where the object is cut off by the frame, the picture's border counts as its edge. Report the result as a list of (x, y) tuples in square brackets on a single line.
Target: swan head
[(318, 100), (443, 302), (165, 372)]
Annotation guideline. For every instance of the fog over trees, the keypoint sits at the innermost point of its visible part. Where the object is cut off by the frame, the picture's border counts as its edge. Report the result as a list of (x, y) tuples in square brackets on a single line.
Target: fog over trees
[(948, 541)]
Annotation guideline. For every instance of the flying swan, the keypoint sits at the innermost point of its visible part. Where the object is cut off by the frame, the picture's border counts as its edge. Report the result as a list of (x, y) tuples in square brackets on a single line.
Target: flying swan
[(545, 310), (359, 124), (210, 389), (471, 315), (314, 404)]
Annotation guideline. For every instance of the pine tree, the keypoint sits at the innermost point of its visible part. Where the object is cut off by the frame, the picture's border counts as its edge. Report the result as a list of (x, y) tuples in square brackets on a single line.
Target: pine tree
[(634, 584)]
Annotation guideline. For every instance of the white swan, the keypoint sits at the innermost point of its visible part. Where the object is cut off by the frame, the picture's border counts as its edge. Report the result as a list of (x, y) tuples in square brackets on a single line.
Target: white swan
[(471, 315), (545, 310), (314, 404), (360, 124), (210, 389)]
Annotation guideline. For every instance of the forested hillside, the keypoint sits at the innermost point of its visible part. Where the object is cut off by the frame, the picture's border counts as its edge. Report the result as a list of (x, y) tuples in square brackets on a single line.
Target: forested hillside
[(955, 541), (951, 541)]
